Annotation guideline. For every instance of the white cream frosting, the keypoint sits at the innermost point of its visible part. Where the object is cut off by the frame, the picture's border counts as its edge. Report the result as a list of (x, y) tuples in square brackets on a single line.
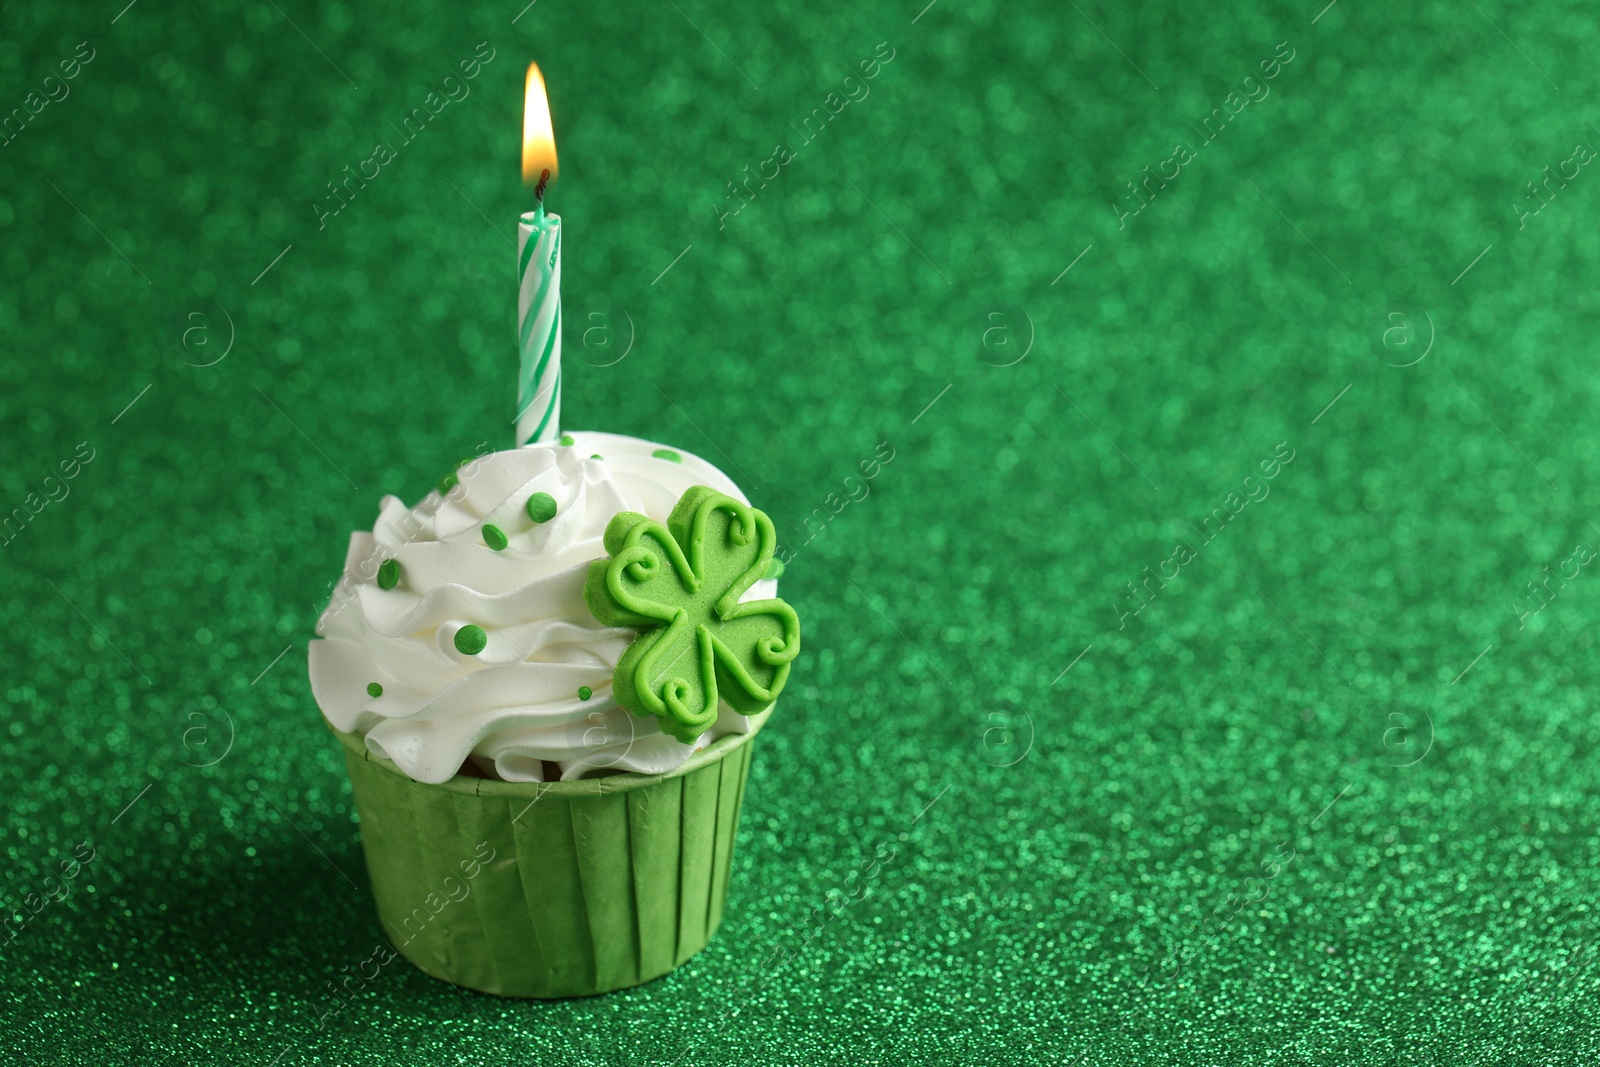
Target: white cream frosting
[(516, 703)]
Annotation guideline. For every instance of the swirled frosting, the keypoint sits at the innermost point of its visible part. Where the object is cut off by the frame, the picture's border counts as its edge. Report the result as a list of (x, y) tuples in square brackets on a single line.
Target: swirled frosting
[(519, 703)]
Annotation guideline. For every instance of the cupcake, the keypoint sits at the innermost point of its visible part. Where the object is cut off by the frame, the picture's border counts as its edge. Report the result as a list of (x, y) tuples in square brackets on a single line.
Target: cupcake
[(546, 677)]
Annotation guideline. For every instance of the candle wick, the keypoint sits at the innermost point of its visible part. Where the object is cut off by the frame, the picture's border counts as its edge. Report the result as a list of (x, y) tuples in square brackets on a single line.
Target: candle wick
[(538, 190)]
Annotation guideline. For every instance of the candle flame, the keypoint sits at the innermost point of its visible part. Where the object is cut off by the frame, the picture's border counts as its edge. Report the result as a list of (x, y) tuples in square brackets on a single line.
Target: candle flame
[(538, 137)]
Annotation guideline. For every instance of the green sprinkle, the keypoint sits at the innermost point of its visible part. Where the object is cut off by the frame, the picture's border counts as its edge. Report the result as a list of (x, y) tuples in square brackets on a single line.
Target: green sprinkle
[(494, 537), (541, 507), (584, 692), (667, 454), (774, 569), (597, 456), (448, 482), (374, 689), (388, 574), (568, 439), (470, 640)]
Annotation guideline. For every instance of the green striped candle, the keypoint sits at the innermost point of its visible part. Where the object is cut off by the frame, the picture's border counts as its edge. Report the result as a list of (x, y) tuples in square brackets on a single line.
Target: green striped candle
[(539, 327)]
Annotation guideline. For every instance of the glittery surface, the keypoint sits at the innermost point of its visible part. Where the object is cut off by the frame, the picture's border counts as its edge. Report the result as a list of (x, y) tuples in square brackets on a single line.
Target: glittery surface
[(1316, 790)]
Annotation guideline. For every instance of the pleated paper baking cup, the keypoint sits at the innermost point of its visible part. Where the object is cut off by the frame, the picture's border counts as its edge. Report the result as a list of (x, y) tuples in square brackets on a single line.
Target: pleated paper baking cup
[(559, 889)]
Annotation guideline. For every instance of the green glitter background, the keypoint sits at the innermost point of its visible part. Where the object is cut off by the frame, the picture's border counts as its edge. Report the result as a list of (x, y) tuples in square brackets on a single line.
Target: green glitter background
[(1330, 736)]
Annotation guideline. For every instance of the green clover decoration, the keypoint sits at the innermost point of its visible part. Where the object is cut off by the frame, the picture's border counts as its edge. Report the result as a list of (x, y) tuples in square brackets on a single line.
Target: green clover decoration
[(680, 585)]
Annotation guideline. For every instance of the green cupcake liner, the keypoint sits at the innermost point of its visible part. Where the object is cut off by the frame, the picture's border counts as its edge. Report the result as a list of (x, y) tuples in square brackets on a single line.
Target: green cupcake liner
[(559, 889)]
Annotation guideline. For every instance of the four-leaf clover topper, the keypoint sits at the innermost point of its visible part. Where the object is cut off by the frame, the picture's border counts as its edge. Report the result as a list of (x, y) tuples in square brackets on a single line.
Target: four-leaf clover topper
[(680, 585)]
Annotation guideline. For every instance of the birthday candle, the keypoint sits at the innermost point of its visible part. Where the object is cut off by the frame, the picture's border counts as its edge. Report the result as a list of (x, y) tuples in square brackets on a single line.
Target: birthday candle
[(539, 278), (539, 327)]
